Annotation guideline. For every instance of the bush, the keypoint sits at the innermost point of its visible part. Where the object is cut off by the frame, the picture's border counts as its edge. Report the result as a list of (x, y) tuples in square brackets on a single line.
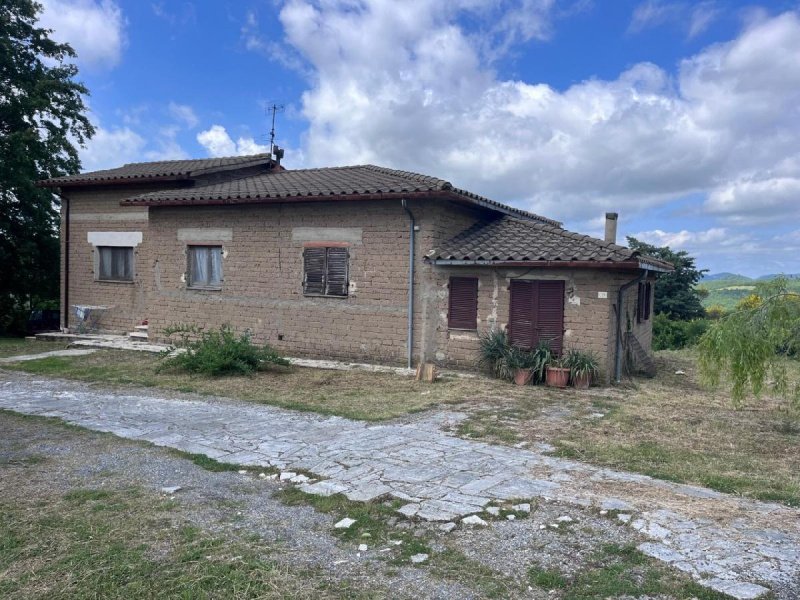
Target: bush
[(669, 334), (220, 353)]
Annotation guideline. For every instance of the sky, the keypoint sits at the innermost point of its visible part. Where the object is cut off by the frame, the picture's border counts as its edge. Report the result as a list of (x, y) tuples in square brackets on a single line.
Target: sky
[(683, 117)]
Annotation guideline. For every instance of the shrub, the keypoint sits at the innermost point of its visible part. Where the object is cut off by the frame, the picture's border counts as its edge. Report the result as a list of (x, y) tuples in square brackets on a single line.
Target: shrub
[(669, 334), (220, 353)]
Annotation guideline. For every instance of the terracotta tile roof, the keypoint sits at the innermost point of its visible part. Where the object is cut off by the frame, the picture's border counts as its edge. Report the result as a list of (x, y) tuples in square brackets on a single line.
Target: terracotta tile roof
[(165, 169), (325, 183), (508, 239)]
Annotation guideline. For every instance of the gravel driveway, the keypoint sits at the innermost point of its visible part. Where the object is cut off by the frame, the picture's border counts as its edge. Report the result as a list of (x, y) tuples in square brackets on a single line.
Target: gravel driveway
[(730, 544)]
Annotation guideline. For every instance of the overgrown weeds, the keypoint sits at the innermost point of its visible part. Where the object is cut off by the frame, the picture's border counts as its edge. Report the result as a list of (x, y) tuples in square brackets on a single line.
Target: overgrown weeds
[(221, 352)]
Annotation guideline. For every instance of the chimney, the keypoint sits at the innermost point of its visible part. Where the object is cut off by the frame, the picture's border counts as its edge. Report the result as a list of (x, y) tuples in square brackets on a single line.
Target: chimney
[(611, 227)]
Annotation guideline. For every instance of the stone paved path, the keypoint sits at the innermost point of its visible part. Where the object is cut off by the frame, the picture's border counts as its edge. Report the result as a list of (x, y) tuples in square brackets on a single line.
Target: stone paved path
[(727, 543)]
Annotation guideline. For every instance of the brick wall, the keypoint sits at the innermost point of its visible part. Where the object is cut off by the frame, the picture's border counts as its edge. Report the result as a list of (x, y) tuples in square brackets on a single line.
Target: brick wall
[(589, 319), (263, 272)]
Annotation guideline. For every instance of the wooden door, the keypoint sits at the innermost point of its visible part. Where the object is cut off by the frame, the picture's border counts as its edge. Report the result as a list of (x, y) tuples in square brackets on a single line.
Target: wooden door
[(536, 313)]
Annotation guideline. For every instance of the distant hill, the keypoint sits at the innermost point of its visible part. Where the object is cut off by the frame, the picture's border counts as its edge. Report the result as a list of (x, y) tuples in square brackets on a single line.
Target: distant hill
[(727, 289)]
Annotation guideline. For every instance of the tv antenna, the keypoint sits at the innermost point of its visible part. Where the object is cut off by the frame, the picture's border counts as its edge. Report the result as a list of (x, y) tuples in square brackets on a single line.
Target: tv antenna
[(273, 109)]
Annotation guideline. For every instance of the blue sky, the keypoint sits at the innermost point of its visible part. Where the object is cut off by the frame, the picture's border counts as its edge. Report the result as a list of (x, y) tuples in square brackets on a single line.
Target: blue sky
[(681, 116)]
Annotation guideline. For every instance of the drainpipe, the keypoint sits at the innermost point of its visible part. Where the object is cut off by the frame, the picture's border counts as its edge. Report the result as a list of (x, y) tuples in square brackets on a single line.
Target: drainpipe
[(618, 352), (65, 199), (411, 241)]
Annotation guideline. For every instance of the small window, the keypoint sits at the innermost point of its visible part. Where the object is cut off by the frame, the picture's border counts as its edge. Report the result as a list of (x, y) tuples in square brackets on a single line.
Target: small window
[(643, 301), (463, 312), (326, 271), (205, 267), (115, 263)]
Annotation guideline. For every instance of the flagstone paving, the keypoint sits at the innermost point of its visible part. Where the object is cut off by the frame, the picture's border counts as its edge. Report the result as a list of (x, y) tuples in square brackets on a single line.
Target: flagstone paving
[(738, 546)]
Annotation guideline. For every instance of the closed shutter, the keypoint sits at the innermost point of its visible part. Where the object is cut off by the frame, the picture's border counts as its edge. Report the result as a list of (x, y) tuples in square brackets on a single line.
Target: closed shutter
[(521, 318), (550, 315), (648, 299), (463, 312), (336, 272), (314, 267), (537, 314)]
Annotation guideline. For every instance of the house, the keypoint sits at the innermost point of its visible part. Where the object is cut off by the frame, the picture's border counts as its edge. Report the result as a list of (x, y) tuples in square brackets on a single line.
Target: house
[(357, 263)]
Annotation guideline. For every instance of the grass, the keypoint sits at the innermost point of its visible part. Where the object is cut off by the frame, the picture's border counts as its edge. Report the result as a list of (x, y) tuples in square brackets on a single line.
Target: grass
[(668, 427), (125, 544), (17, 346), (617, 571), (354, 394)]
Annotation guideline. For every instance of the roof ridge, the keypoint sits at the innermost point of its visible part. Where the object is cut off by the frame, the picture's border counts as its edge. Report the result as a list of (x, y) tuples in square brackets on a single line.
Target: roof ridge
[(579, 236), (177, 160)]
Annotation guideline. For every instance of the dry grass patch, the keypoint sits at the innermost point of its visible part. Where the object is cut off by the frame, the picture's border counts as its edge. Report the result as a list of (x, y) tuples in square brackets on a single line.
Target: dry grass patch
[(354, 394), (668, 427), (18, 346)]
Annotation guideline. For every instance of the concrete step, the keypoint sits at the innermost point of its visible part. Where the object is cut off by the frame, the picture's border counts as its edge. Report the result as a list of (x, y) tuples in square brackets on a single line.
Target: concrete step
[(138, 335), (142, 327)]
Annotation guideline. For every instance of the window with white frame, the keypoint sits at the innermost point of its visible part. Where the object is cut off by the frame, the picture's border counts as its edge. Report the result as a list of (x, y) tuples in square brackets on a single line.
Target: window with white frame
[(115, 263), (205, 267)]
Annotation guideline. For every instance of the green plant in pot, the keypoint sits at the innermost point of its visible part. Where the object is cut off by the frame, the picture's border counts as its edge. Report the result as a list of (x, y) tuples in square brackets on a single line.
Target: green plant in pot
[(522, 364), (583, 368), (557, 373)]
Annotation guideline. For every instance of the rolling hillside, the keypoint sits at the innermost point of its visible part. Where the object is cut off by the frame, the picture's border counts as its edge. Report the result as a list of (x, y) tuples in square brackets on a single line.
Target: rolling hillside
[(726, 289)]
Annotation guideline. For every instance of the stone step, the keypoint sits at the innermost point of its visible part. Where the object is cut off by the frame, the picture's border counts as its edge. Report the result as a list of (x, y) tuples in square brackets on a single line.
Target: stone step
[(142, 327), (138, 335)]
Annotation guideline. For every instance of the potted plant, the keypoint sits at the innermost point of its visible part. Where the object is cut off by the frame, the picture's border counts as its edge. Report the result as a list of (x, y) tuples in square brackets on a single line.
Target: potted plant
[(557, 373), (583, 368), (518, 364)]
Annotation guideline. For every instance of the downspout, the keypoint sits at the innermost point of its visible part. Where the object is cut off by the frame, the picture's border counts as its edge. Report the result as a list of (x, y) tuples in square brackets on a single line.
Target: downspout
[(411, 241), (65, 199), (618, 352)]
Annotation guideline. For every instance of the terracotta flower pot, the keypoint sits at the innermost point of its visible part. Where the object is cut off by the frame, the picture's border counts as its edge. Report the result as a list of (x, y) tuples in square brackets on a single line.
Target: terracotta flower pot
[(522, 376), (557, 377), (581, 382)]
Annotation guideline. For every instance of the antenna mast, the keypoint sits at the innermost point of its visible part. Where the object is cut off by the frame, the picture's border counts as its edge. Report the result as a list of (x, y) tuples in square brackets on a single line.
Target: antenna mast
[(273, 109)]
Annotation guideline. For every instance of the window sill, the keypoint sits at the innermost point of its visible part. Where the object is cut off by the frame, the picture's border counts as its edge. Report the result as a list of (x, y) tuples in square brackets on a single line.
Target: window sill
[(463, 329), (123, 281), (325, 296), (197, 288)]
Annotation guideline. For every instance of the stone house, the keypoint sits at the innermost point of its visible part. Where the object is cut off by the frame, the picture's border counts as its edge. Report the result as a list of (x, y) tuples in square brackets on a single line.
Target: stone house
[(357, 263)]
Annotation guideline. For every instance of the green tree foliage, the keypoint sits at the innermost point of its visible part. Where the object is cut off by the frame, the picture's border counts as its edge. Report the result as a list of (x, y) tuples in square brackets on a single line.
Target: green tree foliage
[(750, 344), (675, 293), (672, 334), (42, 116)]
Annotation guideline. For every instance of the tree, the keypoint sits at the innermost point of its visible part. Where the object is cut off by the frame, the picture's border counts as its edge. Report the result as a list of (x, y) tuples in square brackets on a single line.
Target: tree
[(750, 343), (675, 294), (42, 117)]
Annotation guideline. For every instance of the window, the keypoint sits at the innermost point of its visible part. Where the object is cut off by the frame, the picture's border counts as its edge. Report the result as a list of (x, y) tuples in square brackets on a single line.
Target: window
[(643, 301), (463, 313), (205, 267), (326, 271), (115, 263)]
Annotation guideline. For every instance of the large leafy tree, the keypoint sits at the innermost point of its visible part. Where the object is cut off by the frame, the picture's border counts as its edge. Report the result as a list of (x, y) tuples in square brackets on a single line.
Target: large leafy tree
[(42, 117), (675, 294)]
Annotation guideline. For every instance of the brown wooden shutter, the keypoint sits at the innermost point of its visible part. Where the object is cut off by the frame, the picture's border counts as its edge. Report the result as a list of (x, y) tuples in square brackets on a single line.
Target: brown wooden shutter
[(521, 318), (314, 267), (648, 294), (463, 312), (640, 303), (336, 274), (550, 315)]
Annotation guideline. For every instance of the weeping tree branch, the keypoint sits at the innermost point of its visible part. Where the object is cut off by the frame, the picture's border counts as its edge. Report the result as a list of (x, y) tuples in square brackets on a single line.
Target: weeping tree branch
[(750, 345)]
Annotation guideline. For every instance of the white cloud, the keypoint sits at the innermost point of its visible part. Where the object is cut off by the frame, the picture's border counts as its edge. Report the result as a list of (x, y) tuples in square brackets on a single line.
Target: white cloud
[(701, 17), (652, 13), (183, 113), (94, 29), (632, 143), (111, 148), (168, 146), (218, 143)]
